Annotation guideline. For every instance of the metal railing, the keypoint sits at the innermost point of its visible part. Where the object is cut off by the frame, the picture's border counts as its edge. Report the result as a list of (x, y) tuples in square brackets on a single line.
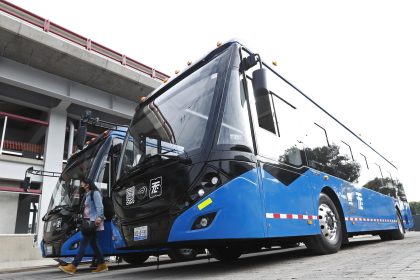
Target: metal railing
[(18, 148), (79, 40)]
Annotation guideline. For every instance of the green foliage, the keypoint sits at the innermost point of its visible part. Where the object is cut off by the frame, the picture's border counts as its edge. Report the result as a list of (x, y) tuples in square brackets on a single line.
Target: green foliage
[(329, 160), (387, 186), (415, 207)]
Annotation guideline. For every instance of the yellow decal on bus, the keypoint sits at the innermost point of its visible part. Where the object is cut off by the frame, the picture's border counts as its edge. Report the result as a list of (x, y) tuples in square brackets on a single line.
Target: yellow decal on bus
[(204, 204)]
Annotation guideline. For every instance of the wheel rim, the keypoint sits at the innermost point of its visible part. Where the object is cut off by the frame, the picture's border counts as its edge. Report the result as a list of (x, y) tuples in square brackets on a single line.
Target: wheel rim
[(185, 251), (328, 223)]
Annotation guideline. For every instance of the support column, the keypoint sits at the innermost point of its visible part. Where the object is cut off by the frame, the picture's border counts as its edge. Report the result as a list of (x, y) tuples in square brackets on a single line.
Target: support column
[(70, 142), (53, 158)]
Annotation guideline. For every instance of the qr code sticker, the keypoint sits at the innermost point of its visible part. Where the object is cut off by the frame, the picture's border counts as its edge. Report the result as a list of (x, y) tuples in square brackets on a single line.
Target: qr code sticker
[(129, 195)]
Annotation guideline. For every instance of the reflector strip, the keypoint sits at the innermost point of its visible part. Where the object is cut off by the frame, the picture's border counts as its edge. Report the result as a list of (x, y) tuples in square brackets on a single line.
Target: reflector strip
[(370, 220), (204, 204), (290, 216)]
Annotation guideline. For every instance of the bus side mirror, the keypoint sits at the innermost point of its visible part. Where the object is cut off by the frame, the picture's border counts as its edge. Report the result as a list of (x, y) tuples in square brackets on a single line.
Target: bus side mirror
[(259, 82), (81, 137), (26, 183)]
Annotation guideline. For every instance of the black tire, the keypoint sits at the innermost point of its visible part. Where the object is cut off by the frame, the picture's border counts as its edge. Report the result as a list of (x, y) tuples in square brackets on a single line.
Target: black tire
[(399, 233), (226, 253), (331, 232), (136, 259), (385, 236), (290, 245), (395, 234), (182, 254)]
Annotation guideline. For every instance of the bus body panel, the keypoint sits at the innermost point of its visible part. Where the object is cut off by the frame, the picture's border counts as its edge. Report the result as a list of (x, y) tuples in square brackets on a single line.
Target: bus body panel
[(289, 206), (106, 241), (289, 210), (237, 205)]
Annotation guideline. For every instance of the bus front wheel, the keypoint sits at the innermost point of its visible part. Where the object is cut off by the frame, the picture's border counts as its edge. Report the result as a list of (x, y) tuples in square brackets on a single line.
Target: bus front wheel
[(136, 259), (331, 235), (182, 254), (226, 253)]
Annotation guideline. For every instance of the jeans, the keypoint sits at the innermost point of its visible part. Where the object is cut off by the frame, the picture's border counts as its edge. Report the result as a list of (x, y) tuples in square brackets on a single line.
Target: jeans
[(91, 238)]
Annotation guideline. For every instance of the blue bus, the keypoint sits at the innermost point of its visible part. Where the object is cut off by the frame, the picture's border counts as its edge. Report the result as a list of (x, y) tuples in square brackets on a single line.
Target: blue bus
[(260, 164), (61, 237)]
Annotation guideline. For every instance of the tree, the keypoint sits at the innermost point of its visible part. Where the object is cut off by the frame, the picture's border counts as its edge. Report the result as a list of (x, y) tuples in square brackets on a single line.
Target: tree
[(329, 160), (415, 207), (387, 186)]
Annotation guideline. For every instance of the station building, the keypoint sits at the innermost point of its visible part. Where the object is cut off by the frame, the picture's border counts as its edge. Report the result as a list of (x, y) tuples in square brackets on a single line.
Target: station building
[(49, 76)]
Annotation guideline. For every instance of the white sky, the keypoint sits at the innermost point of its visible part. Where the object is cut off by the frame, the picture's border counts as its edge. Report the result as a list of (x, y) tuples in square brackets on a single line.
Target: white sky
[(358, 59)]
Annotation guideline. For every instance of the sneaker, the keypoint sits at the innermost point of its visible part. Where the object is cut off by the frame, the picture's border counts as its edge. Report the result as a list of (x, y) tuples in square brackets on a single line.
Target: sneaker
[(101, 268), (69, 268)]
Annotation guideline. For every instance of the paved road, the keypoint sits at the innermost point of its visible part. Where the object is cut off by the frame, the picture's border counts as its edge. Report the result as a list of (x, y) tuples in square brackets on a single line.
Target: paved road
[(363, 258)]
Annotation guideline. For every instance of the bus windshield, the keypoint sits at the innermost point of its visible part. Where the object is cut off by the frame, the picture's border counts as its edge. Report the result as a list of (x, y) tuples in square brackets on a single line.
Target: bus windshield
[(67, 191), (179, 116)]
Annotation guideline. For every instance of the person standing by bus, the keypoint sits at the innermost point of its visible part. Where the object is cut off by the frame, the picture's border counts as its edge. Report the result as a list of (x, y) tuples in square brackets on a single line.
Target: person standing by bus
[(93, 212)]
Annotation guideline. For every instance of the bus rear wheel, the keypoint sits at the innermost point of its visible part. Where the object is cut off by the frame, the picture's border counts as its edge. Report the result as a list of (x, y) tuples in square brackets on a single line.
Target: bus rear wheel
[(226, 253), (395, 234), (136, 259), (331, 234)]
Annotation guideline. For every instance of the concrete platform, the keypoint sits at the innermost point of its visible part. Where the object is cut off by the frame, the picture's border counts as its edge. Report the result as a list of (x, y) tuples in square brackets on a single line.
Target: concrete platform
[(18, 247), (20, 266)]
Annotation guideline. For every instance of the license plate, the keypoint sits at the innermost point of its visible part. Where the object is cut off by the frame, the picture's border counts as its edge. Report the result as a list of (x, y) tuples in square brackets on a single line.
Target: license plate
[(48, 250), (140, 233)]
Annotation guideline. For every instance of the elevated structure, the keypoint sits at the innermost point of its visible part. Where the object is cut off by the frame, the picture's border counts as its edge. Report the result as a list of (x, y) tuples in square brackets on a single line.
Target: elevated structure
[(48, 77)]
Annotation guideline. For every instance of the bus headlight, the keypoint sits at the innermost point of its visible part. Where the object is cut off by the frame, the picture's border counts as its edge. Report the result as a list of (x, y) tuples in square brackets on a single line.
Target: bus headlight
[(208, 181), (74, 246), (204, 221), (57, 224)]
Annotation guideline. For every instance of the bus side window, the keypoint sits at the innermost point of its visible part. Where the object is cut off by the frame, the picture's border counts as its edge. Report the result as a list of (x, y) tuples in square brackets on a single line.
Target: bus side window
[(318, 150), (287, 123), (376, 181), (103, 179)]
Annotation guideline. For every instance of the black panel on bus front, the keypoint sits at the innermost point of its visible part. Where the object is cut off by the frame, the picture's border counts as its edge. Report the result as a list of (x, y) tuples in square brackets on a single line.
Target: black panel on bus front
[(153, 197)]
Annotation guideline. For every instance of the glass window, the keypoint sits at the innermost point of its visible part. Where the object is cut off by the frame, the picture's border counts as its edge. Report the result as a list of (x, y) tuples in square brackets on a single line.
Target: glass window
[(180, 115), (104, 177), (288, 121), (235, 128)]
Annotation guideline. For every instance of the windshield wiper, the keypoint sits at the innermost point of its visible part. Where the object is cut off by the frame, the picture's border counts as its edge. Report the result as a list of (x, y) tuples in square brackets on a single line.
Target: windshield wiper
[(182, 159), (60, 207)]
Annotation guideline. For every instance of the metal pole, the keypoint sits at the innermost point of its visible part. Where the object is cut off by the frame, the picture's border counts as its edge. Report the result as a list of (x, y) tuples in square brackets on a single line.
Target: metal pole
[(71, 136), (2, 136), (34, 215)]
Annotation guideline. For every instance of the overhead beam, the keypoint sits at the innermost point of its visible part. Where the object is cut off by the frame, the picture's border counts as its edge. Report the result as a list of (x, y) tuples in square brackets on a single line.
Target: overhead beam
[(19, 75)]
